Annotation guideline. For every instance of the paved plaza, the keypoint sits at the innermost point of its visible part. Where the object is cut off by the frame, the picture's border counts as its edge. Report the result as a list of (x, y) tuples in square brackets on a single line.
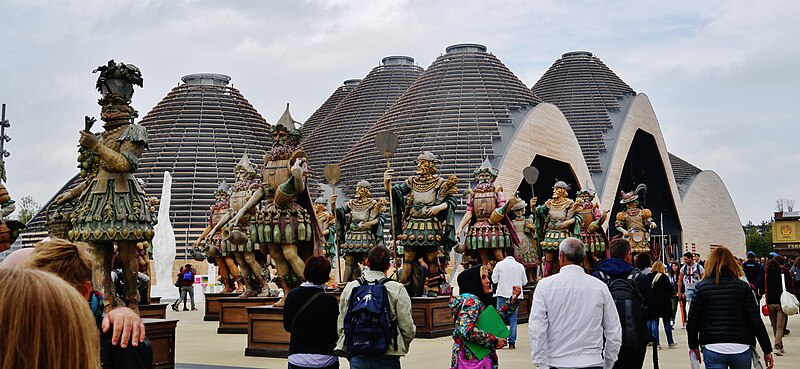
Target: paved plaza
[(200, 347)]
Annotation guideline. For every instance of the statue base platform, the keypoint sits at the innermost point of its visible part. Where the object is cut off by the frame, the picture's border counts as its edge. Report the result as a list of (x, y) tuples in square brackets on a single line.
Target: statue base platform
[(212, 305), (153, 311), (161, 333), (265, 334), (155, 299), (233, 313), (525, 305), (432, 316)]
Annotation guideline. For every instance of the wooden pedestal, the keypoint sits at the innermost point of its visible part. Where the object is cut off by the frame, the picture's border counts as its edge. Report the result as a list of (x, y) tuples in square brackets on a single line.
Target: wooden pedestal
[(212, 305), (161, 333), (432, 316), (265, 334), (155, 299), (154, 311), (232, 313), (524, 308)]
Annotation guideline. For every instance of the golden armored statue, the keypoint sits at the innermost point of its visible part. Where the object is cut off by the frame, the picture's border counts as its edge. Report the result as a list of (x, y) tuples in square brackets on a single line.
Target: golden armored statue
[(424, 209), (236, 237), (287, 225), (217, 253), (556, 220), (359, 225), (326, 221), (635, 222), (112, 208)]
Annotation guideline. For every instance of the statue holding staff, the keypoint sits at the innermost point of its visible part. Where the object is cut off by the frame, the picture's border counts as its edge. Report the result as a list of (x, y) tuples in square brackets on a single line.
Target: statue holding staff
[(359, 227)]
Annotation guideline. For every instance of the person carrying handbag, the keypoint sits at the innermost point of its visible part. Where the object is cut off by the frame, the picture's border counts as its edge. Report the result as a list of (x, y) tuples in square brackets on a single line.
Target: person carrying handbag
[(775, 278)]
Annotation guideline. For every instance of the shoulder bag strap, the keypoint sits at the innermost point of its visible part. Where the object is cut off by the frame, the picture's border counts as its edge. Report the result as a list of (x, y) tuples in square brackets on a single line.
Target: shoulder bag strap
[(655, 279), (303, 308)]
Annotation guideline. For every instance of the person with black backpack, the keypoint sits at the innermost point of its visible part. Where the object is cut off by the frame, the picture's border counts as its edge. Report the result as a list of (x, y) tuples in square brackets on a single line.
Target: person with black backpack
[(375, 325), (633, 297)]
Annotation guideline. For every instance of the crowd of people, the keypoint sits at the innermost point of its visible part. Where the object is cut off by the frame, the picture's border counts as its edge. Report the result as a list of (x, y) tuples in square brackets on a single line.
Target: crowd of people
[(606, 317)]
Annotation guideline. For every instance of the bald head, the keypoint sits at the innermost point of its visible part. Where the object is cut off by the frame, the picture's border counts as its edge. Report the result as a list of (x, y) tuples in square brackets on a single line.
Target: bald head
[(17, 258)]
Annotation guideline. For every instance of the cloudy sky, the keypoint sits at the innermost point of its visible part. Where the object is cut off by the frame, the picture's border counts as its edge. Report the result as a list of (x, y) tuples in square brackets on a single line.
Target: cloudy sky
[(722, 75)]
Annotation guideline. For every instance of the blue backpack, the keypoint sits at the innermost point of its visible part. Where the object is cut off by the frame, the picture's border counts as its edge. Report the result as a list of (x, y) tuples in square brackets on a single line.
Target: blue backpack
[(368, 328), (187, 276)]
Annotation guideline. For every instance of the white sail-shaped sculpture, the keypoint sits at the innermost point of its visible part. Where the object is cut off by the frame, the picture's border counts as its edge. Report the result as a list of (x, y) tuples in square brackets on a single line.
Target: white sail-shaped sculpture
[(164, 246)]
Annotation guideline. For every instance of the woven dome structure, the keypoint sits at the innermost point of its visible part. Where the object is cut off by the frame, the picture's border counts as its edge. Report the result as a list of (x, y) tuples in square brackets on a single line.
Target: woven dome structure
[(456, 109), (359, 111), (327, 107), (197, 132), (586, 91)]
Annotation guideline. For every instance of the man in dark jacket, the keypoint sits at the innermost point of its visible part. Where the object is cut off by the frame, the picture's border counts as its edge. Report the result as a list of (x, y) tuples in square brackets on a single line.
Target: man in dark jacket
[(753, 270), (618, 268)]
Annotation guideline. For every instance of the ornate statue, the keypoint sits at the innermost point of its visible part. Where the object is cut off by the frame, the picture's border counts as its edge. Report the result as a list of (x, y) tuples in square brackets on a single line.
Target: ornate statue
[(635, 222), (424, 210), (326, 223), (287, 225), (112, 207), (359, 228), (9, 228), (217, 253), (236, 237), (592, 221), (527, 251), (489, 230), (555, 220)]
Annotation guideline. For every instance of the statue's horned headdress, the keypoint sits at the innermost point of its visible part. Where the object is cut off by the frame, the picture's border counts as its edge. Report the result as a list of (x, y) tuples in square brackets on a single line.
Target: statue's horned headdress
[(519, 205), (428, 156), (586, 191), (321, 200), (286, 125), (364, 183), (486, 167), (245, 164), (561, 184), (633, 195)]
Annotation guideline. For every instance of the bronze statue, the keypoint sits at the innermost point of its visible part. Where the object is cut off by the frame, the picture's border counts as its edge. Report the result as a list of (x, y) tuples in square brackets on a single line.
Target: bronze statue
[(635, 222), (236, 235), (556, 220), (489, 229), (592, 221), (112, 207), (359, 228), (527, 251), (217, 253), (287, 224), (424, 210)]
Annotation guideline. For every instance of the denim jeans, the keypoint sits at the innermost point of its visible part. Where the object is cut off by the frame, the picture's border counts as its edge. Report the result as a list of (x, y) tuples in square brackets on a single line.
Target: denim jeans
[(512, 321), (382, 362), (653, 325), (184, 291), (715, 360)]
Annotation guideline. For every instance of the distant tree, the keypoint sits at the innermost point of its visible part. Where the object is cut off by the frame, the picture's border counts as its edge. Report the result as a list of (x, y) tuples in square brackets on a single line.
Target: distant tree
[(27, 207), (759, 239)]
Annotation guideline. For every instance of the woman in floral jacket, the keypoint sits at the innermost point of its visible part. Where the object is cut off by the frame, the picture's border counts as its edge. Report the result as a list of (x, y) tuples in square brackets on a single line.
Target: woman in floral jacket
[(476, 294)]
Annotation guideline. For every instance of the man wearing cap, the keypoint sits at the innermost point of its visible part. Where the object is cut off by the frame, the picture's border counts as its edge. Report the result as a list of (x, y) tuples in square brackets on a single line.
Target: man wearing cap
[(753, 270)]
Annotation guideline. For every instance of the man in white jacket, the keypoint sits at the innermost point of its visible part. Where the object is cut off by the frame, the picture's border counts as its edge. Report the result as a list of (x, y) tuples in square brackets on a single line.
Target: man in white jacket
[(573, 314)]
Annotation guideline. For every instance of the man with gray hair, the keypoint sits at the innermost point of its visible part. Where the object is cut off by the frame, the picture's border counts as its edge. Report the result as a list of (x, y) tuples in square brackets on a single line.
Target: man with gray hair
[(573, 321)]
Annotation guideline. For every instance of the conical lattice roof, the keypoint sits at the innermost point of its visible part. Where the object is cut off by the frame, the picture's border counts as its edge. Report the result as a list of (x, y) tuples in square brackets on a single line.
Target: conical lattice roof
[(455, 109), (327, 107), (197, 132), (585, 90), (360, 110)]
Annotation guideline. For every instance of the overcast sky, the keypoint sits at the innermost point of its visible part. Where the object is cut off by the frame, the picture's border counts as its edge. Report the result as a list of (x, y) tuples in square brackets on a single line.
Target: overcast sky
[(722, 75)]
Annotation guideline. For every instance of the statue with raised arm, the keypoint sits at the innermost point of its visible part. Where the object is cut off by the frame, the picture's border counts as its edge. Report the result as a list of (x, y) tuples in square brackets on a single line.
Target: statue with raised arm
[(359, 228), (527, 252), (489, 230), (592, 234), (424, 215), (235, 233), (112, 208), (217, 253), (635, 222), (287, 224), (556, 220)]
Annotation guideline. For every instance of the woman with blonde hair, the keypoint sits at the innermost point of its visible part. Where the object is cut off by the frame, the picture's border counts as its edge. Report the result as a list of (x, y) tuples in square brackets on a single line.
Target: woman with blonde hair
[(662, 303), (45, 323), (724, 317)]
